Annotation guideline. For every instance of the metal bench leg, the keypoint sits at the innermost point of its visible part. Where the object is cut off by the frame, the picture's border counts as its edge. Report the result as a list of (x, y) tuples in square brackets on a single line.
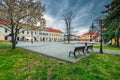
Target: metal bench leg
[(75, 55), (69, 53), (83, 52), (87, 51)]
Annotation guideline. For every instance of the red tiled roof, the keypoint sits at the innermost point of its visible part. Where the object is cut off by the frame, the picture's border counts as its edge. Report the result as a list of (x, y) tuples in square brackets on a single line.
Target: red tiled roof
[(73, 35), (4, 22), (91, 33), (54, 30), (103, 29)]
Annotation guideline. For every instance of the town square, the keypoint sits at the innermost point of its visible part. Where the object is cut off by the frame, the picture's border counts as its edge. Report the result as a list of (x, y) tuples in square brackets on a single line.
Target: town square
[(59, 40)]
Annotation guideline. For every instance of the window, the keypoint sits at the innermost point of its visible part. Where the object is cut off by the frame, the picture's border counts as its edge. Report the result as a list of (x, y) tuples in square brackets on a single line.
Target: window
[(27, 32), (18, 38), (23, 32), (40, 33), (32, 32), (46, 39), (46, 33), (6, 38), (6, 30), (40, 39), (43, 33)]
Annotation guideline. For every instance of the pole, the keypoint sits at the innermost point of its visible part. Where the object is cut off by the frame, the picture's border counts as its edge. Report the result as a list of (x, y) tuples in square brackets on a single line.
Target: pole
[(100, 24)]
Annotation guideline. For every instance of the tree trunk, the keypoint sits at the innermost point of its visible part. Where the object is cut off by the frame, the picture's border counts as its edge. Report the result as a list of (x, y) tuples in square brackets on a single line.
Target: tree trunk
[(13, 39), (12, 36), (13, 42), (14, 45), (117, 41), (68, 39), (69, 34), (32, 37)]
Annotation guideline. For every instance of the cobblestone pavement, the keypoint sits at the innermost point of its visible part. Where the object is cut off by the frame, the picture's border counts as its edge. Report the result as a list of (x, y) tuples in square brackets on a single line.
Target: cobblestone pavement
[(54, 49), (108, 51), (58, 50)]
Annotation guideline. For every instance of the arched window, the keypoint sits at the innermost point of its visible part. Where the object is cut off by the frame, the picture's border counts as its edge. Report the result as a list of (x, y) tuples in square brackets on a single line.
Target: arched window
[(6, 38), (6, 30)]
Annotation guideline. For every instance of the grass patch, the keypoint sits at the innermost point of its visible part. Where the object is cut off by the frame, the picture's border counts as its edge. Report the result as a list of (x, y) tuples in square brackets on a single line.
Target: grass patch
[(109, 47), (4, 45), (20, 64)]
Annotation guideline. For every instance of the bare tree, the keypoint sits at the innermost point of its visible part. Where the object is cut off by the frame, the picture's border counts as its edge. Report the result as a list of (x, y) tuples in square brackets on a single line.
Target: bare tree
[(68, 17), (16, 12)]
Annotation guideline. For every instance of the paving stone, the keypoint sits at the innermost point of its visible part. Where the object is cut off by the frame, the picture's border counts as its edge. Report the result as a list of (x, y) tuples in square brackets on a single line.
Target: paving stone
[(58, 50), (53, 49)]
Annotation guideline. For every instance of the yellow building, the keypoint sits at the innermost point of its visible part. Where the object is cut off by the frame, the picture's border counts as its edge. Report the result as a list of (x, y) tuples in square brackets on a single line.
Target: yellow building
[(89, 36)]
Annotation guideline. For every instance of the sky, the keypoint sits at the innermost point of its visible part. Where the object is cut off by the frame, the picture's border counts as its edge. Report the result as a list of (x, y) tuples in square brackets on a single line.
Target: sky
[(85, 12)]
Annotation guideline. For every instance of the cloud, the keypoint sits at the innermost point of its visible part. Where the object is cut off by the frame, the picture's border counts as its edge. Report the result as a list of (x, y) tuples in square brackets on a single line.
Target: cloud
[(59, 24), (54, 22), (79, 21), (86, 11)]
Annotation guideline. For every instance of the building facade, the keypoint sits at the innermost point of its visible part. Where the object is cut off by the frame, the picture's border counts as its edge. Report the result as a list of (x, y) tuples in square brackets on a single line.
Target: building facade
[(90, 36), (38, 35), (73, 37)]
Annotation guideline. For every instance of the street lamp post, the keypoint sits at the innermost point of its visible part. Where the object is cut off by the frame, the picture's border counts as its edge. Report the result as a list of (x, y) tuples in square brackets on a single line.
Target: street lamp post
[(100, 24)]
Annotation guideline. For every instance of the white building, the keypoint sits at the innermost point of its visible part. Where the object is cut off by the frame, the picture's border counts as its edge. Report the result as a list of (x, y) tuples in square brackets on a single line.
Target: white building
[(43, 34), (73, 37)]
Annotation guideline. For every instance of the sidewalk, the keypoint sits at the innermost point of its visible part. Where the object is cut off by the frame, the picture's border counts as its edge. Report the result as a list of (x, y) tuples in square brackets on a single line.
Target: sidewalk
[(108, 51)]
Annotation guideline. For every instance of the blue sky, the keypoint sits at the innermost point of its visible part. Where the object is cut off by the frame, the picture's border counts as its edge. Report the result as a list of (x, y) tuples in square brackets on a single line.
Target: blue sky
[(85, 10)]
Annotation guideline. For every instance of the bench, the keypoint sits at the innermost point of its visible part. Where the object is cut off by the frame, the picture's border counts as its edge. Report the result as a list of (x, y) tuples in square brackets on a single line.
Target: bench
[(77, 49), (89, 47)]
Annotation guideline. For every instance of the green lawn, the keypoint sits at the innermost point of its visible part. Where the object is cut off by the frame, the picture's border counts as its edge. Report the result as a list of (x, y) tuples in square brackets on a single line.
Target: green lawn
[(109, 47), (4, 44), (20, 64)]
